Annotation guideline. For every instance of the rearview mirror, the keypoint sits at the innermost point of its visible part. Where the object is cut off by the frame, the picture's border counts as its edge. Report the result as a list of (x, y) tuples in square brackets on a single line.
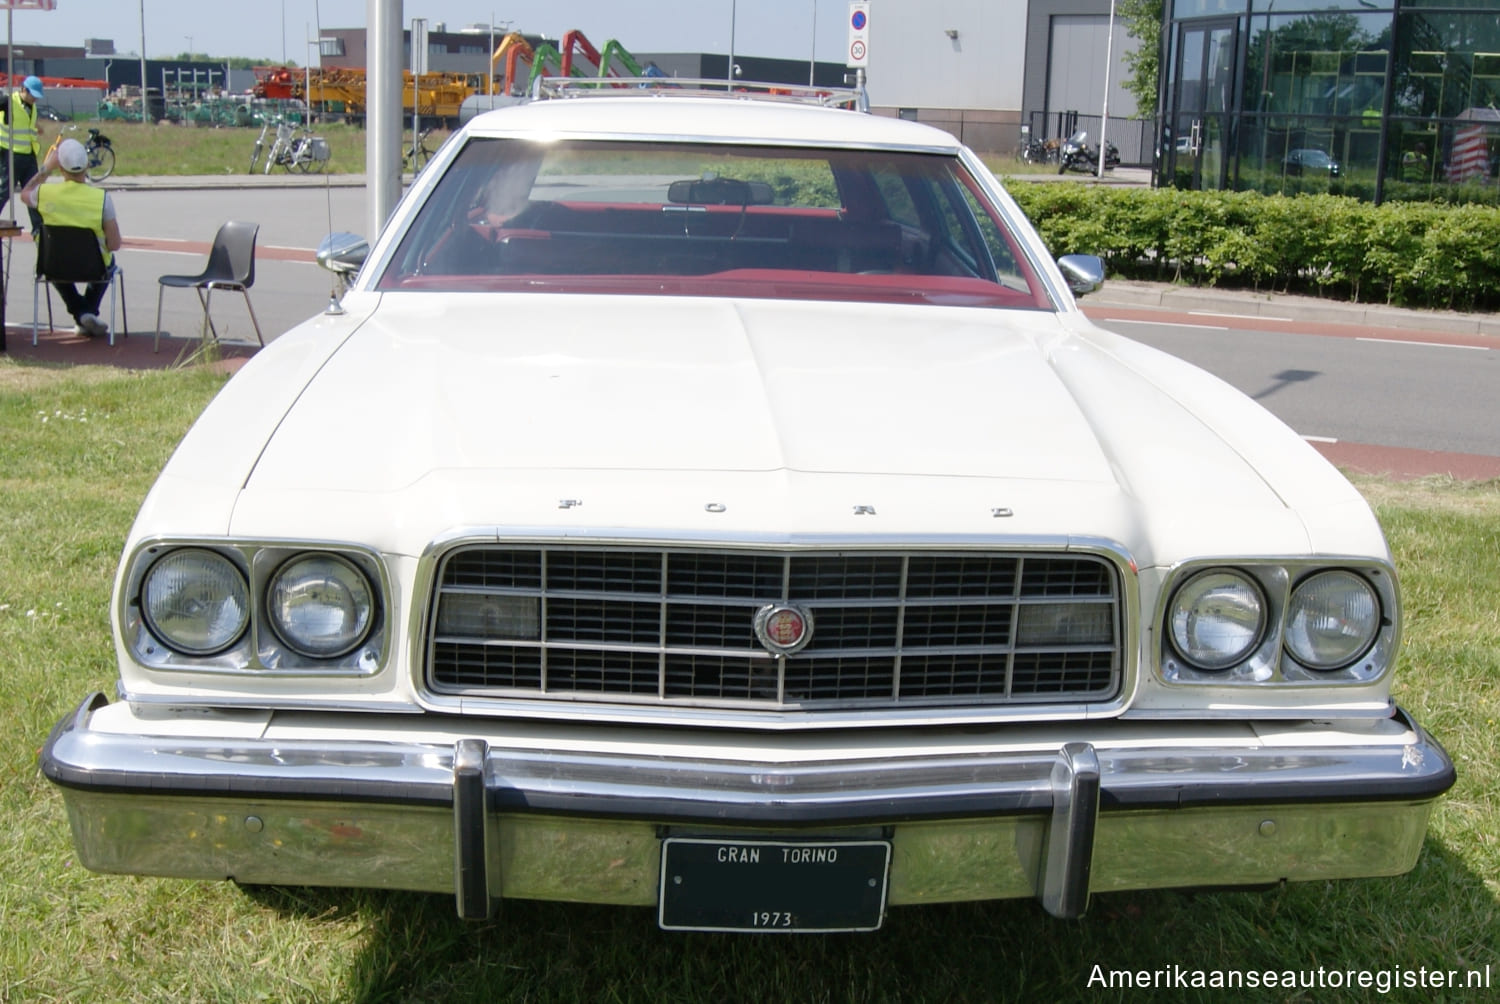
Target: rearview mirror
[(720, 192)]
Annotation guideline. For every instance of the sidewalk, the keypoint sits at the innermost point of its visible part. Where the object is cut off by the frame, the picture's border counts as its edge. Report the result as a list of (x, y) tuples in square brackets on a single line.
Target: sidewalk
[(1286, 307), (196, 182)]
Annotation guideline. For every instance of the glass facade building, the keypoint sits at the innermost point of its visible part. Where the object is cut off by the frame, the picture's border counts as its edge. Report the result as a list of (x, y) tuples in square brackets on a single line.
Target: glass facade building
[(1378, 99)]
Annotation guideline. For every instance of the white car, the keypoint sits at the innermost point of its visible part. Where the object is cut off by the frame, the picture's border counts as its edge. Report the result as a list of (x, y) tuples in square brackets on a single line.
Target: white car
[(718, 504)]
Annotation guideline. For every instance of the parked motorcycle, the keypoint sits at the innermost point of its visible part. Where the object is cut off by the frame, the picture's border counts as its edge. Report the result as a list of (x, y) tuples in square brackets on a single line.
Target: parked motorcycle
[(1039, 151), (1077, 155)]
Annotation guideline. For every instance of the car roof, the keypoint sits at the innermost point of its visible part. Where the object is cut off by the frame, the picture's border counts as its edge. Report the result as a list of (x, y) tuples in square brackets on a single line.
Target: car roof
[(724, 119)]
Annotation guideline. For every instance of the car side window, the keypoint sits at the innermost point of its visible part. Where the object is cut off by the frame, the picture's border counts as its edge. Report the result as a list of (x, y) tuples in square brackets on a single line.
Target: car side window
[(1001, 255)]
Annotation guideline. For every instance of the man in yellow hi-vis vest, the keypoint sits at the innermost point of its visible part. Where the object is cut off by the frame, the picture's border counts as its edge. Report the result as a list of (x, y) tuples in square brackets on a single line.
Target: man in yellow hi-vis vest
[(21, 139), (76, 203)]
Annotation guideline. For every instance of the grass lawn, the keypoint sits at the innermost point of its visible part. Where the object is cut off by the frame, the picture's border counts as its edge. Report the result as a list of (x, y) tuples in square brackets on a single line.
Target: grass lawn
[(78, 449), (171, 149)]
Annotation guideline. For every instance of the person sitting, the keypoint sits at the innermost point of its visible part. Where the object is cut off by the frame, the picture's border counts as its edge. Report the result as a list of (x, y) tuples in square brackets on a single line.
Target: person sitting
[(75, 203)]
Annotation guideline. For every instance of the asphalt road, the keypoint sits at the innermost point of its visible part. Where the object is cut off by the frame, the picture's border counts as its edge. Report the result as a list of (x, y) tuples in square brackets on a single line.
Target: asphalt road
[(169, 232), (1383, 388), (1414, 398)]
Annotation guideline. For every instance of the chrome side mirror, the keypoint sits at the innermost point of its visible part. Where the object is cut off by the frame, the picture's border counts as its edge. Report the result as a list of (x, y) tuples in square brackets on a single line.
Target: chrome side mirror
[(343, 254), (1084, 272)]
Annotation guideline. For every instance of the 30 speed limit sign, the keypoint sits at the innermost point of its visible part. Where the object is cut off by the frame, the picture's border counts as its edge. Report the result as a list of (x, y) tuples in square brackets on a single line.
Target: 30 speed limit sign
[(859, 34)]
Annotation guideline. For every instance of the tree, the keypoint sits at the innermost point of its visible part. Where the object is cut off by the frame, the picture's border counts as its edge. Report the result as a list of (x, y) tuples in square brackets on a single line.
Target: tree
[(1143, 23)]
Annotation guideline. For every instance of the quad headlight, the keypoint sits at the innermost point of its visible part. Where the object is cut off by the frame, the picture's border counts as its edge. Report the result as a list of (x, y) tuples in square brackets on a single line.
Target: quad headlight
[(233, 606), (1290, 621), (196, 601), (1217, 618), (1332, 620), (320, 605)]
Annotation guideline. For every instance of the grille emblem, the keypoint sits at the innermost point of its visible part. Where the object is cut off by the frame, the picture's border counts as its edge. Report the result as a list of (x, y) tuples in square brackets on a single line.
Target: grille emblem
[(783, 628)]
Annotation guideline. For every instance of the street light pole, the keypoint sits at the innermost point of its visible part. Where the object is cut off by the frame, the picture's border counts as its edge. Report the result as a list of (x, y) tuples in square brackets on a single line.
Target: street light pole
[(145, 105), (730, 72), (812, 56), (1109, 56)]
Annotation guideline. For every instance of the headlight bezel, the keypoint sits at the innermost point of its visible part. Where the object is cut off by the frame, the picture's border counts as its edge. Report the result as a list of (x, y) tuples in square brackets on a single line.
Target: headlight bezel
[(258, 650), (1272, 663)]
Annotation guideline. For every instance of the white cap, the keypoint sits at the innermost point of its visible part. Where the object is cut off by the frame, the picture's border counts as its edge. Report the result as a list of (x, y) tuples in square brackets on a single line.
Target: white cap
[(71, 156)]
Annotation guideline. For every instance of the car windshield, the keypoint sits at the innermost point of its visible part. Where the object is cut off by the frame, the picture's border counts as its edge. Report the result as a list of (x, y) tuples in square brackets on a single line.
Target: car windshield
[(712, 220)]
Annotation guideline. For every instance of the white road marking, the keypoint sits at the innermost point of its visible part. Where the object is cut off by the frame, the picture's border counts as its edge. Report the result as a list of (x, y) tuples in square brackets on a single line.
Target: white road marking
[(1167, 324), (1427, 345), (1320, 439), (1237, 317)]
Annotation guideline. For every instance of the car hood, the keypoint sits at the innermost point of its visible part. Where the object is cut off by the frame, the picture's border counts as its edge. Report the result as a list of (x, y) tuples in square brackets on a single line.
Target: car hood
[(748, 418), (683, 385)]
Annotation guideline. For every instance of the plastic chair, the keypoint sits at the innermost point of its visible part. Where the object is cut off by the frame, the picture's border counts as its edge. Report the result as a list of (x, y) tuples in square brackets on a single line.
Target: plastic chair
[(231, 266), (72, 254)]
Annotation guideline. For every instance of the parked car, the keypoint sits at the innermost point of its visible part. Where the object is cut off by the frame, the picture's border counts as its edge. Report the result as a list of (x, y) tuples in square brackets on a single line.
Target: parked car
[(718, 504), (1310, 161)]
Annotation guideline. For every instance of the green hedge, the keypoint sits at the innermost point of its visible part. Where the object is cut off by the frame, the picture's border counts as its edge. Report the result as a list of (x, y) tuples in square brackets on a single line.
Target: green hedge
[(1406, 253)]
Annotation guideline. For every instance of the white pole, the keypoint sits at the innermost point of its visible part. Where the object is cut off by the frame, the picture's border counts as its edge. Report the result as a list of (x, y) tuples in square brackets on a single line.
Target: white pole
[(144, 109), (491, 71), (812, 56), (317, 41), (1109, 56), (418, 65), (382, 112), (730, 72), (10, 153)]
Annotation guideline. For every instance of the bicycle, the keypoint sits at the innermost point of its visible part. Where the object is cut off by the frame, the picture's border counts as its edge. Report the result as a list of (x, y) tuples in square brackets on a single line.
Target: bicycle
[(293, 149), (101, 153), (260, 143), (416, 156)]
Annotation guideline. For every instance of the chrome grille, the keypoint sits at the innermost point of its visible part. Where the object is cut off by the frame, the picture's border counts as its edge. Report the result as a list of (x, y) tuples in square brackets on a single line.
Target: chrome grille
[(664, 625)]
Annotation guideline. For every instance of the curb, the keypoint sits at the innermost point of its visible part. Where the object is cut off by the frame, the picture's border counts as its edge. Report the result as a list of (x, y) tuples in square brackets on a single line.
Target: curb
[(214, 182), (1287, 307)]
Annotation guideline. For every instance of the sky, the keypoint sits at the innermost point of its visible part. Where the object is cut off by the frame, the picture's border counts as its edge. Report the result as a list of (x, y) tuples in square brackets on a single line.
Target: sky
[(280, 29)]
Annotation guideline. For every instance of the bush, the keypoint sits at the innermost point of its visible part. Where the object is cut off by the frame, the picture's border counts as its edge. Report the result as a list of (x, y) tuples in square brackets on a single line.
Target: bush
[(1408, 253)]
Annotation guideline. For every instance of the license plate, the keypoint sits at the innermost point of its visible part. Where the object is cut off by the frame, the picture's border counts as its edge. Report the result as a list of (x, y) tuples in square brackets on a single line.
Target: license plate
[(772, 885)]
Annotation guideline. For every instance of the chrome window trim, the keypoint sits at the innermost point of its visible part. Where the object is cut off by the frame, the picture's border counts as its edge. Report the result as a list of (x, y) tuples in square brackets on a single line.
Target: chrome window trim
[(259, 653), (686, 712), (1270, 667)]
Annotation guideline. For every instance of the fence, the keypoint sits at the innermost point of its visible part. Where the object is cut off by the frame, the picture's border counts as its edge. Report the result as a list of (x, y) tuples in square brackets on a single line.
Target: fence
[(1134, 138)]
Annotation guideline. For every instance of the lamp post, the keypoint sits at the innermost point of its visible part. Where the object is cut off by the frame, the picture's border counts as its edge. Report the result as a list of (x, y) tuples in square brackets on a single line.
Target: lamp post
[(313, 46), (418, 67), (812, 54), (1109, 55), (145, 105), (729, 74)]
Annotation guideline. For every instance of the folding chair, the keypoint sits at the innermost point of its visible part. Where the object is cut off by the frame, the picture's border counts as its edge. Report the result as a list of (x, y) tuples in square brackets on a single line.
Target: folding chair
[(72, 254), (231, 266)]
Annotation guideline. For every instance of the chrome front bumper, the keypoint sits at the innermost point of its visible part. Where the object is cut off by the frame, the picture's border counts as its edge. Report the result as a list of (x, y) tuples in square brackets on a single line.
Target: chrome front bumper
[(378, 803)]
